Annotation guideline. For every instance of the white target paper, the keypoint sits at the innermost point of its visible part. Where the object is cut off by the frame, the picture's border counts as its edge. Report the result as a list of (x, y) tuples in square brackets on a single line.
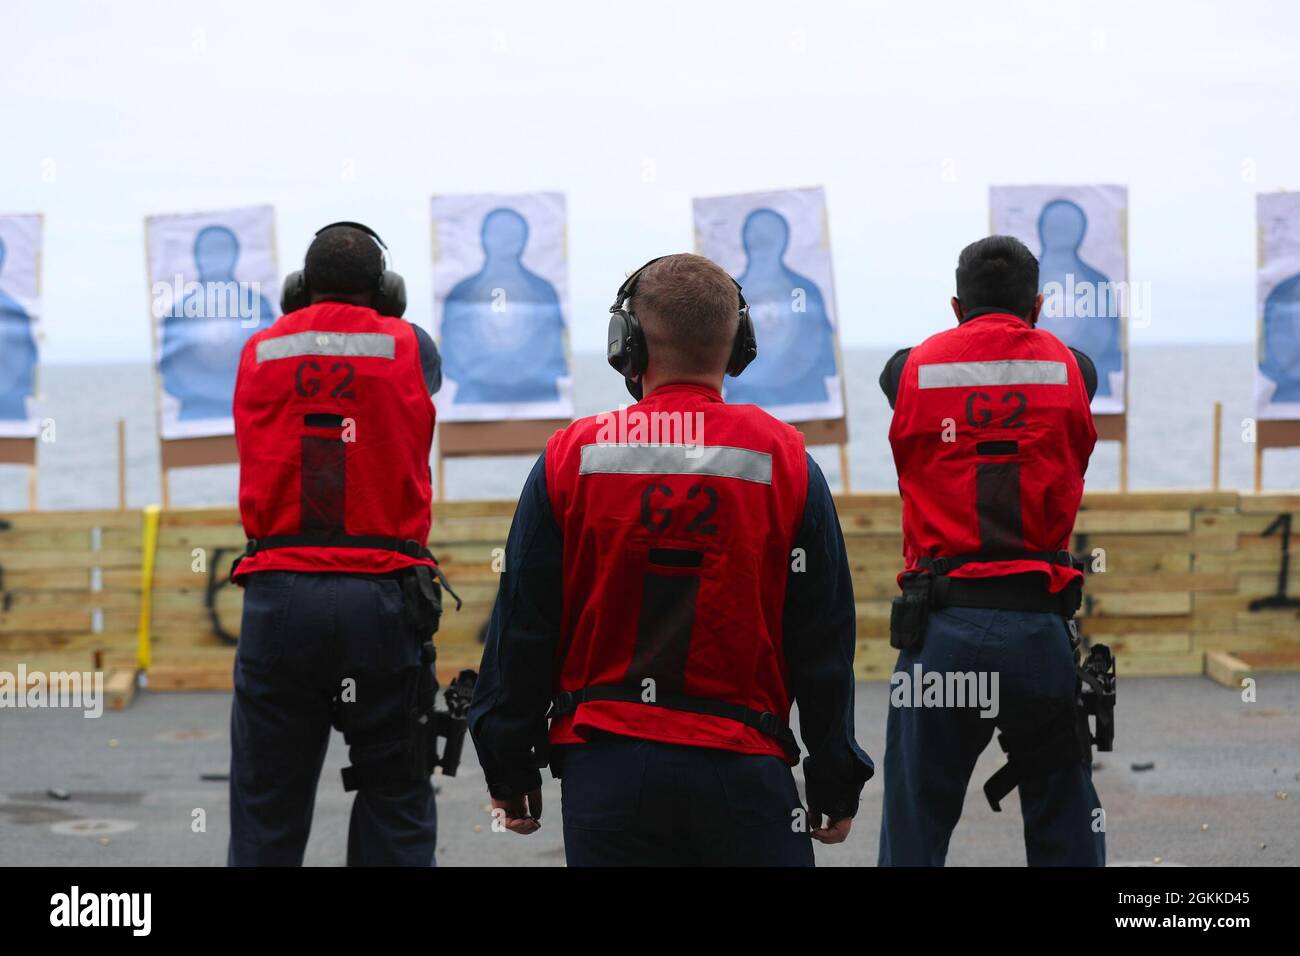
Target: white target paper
[(20, 324), (777, 246), (501, 307), (1277, 379), (1078, 234), (214, 283)]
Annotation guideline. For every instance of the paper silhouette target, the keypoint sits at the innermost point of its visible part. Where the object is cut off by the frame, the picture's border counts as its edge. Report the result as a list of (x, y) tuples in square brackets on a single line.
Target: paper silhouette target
[(20, 314), (214, 282), (1277, 382), (775, 245), (501, 305)]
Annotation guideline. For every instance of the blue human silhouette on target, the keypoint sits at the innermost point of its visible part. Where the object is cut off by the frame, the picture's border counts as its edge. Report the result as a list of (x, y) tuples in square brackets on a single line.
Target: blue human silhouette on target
[(796, 349), (17, 354), (200, 351), (1061, 227), (502, 328), (1281, 335)]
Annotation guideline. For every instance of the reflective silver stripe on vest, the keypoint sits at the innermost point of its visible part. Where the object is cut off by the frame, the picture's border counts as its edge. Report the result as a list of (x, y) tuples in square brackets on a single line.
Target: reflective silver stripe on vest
[(719, 460), (1012, 372), (351, 344)]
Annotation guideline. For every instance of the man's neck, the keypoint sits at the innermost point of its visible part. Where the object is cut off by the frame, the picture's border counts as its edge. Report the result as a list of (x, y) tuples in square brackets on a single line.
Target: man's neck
[(652, 382)]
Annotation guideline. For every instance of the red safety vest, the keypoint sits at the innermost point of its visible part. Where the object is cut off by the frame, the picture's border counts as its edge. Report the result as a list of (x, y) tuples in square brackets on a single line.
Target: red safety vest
[(678, 517), (992, 432), (334, 422)]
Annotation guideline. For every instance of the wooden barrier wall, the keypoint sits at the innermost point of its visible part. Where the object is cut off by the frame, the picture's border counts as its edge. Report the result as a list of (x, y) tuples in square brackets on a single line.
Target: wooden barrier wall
[(1180, 571), (70, 586)]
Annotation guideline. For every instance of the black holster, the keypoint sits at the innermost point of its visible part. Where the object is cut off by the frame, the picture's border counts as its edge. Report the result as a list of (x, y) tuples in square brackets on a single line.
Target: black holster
[(909, 613), (421, 601)]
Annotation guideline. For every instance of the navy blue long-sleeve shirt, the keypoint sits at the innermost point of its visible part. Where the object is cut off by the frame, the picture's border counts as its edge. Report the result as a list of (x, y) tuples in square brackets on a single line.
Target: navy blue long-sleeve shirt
[(507, 717), (430, 360)]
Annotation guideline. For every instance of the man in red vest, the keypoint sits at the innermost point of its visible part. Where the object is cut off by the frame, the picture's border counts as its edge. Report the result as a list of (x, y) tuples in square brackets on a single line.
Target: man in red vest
[(991, 435), (334, 421), (675, 578)]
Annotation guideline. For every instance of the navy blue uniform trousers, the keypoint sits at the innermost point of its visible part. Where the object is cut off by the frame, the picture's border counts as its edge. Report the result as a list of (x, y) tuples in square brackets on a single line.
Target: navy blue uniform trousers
[(930, 752), (306, 640), (632, 802)]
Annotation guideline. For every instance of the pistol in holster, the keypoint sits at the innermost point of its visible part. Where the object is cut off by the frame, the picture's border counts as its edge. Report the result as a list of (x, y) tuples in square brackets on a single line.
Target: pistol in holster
[(1094, 696)]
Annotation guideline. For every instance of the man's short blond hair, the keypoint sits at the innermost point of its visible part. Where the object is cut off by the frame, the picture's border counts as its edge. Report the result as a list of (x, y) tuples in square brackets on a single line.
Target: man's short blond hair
[(689, 309)]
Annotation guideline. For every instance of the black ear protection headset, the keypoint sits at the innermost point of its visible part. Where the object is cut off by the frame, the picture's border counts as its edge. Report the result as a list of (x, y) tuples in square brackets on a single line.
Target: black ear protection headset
[(389, 297), (628, 354)]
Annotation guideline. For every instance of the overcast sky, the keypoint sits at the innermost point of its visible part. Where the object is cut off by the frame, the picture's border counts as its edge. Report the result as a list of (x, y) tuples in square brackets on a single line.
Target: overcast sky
[(905, 112)]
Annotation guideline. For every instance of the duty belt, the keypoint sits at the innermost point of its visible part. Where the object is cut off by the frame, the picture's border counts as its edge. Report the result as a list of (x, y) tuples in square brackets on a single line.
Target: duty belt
[(566, 702), (1013, 592), (408, 547), (1023, 591)]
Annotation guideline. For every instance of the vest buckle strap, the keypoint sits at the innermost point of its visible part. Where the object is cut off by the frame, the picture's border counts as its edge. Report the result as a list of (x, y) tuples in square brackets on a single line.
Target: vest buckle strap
[(769, 723)]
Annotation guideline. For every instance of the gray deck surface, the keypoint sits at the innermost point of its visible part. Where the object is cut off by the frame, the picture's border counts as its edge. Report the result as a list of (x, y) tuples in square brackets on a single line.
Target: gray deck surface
[(1212, 798)]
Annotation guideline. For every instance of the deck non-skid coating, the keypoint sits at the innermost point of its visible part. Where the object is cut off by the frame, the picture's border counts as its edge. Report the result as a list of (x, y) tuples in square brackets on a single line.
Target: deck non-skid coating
[(1212, 798)]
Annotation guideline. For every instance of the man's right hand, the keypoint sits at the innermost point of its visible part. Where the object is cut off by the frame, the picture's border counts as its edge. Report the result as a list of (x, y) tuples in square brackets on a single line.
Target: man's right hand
[(523, 814), (834, 830)]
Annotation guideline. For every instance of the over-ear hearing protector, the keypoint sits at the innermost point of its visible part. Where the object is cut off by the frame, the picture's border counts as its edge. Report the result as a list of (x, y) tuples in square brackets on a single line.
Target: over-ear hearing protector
[(627, 353), (389, 296)]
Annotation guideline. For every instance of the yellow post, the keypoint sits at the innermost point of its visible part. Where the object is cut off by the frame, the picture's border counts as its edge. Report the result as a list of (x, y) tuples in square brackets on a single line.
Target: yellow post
[(149, 549)]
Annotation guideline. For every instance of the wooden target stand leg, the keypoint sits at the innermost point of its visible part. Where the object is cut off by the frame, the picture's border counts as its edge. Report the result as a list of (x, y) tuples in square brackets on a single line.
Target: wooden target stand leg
[(193, 453), (833, 431), (1273, 434), (1115, 428), (22, 451)]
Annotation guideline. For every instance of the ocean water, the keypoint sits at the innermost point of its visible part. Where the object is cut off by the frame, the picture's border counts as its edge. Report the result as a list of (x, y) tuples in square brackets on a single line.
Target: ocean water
[(1172, 395)]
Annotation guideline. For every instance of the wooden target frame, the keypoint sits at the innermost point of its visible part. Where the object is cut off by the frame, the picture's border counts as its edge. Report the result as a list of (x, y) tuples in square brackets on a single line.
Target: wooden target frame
[(522, 436), (22, 451), (198, 452)]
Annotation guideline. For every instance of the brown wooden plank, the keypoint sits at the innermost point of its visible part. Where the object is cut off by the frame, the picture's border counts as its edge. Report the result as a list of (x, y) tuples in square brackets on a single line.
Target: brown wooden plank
[(1151, 604), (119, 688), (1270, 503), (1132, 522), (462, 439), (72, 520), (1113, 582), (1159, 500), (62, 560)]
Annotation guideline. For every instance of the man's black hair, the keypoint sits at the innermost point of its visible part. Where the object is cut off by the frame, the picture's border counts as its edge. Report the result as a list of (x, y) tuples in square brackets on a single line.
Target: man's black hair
[(343, 259), (997, 273)]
